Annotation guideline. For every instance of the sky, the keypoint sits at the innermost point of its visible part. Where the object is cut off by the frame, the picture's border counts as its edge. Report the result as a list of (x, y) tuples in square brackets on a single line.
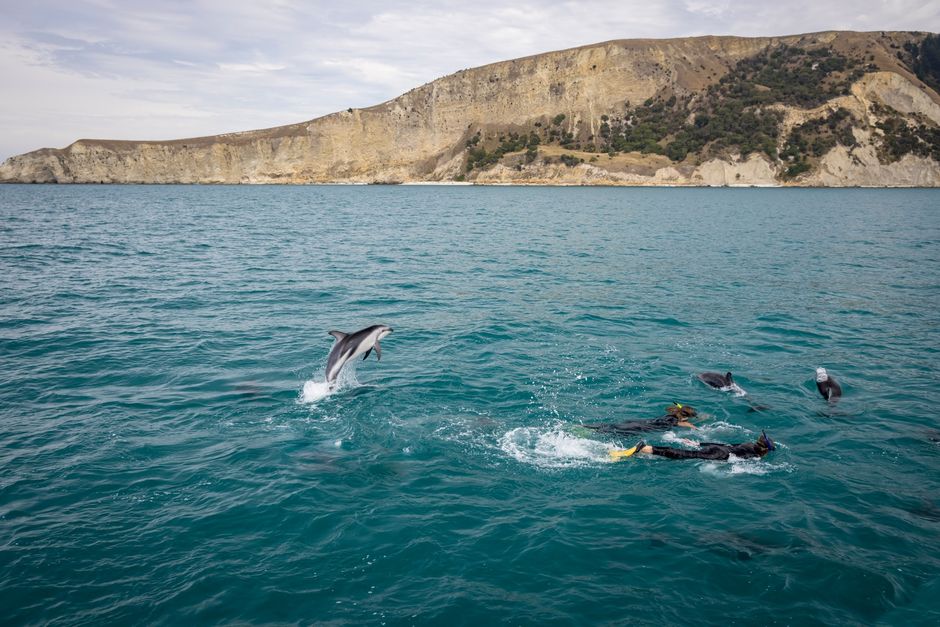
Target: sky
[(152, 69)]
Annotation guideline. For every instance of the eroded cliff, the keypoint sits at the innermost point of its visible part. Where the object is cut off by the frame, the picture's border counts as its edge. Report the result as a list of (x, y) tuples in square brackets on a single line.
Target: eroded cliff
[(637, 112)]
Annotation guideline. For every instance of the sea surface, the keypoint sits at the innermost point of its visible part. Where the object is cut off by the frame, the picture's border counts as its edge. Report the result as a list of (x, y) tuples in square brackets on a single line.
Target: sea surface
[(169, 453)]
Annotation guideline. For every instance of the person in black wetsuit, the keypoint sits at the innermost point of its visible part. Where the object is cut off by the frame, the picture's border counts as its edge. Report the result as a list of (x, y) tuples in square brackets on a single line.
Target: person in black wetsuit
[(713, 450), (676, 416)]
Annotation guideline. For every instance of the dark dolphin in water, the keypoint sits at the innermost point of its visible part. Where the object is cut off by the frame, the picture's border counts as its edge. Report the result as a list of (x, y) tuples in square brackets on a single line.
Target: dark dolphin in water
[(723, 382), (827, 386), (348, 346), (716, 379)]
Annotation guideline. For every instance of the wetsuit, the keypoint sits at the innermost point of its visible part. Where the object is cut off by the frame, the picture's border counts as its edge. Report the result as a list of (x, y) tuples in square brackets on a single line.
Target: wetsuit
[(713, 450), (663, 423)]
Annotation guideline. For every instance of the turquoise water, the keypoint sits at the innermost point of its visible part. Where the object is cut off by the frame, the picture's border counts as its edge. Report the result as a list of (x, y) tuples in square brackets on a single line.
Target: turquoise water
[(167, 454)]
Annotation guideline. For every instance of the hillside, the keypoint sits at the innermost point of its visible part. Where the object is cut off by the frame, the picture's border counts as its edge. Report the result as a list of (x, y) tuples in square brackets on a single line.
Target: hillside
[(831, 109)]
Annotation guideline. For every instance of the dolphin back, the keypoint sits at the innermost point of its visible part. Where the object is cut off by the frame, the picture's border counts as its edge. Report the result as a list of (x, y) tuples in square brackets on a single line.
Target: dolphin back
[(715, 379)]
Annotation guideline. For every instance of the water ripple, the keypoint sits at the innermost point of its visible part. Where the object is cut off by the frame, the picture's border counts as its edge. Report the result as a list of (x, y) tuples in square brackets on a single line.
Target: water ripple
[(168, 455)]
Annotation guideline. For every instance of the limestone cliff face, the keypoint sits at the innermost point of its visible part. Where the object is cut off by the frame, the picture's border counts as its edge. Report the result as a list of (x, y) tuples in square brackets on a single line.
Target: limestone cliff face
[(422, 135)]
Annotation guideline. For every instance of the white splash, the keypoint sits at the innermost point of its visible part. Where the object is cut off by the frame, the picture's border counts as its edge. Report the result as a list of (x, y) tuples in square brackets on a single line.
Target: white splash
[(316, 390), (718, 431), (682, 438), (734, 387), (553, 448)]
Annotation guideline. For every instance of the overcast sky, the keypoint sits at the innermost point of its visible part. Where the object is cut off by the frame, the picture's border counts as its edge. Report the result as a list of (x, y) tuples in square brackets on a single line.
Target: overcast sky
[(152, 69)]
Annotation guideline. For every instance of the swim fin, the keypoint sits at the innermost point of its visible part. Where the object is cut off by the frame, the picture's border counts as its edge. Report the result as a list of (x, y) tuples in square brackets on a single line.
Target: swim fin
[(617, 454)]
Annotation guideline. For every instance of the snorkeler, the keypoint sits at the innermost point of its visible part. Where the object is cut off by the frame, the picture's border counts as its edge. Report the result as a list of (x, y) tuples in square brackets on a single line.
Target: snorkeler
[(705, 450), (676, 416)]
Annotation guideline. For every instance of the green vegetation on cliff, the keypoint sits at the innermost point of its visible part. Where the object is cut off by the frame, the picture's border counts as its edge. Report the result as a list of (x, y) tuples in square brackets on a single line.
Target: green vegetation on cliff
[(789, 75), (924, 59), (901, 137), (740, 113), (809, 141), (737, 113), (478, 157)]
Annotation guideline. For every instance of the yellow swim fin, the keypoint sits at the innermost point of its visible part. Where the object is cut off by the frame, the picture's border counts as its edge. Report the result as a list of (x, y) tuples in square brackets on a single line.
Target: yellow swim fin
[(617, 454)]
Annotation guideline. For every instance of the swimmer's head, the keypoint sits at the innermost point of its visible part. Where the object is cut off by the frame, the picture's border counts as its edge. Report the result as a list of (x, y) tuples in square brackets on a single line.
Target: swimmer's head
[(681, 411)]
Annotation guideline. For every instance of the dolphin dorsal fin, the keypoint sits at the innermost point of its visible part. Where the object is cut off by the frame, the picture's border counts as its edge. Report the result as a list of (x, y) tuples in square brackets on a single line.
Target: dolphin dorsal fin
[(729, 379), (339, 335)]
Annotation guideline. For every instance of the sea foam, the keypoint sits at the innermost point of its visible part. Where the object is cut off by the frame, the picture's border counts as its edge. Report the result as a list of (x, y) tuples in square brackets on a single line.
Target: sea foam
[(314, 391), (553, 448)]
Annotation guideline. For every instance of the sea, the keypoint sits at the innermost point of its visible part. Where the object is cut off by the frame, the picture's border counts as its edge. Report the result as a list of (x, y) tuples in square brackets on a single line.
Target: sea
[(170, 453)]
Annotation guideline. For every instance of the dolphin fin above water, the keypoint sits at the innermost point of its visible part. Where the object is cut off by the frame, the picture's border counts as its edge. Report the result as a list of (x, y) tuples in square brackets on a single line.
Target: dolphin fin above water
[(378, 351), (339, 335), (366, 356)]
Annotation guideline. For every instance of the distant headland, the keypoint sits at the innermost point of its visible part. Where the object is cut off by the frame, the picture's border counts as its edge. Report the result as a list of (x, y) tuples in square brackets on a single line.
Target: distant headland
[(823, 109)]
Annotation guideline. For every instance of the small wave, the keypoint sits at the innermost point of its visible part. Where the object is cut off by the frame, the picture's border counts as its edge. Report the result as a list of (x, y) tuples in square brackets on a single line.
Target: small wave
[(553, 448), (737, 466), (718, 429), (790, 332), (594, 319), (667, 321)]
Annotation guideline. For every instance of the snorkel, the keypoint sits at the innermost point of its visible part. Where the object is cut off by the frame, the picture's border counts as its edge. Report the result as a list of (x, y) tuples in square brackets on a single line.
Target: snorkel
[(766, 441)]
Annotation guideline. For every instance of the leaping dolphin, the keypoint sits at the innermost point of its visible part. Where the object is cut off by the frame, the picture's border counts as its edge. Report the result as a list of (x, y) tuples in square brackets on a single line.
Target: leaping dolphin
[(827, 386), (348, 346)]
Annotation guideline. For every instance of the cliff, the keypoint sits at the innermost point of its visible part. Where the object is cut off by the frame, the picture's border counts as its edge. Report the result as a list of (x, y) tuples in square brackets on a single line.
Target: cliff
[(832, 109)]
